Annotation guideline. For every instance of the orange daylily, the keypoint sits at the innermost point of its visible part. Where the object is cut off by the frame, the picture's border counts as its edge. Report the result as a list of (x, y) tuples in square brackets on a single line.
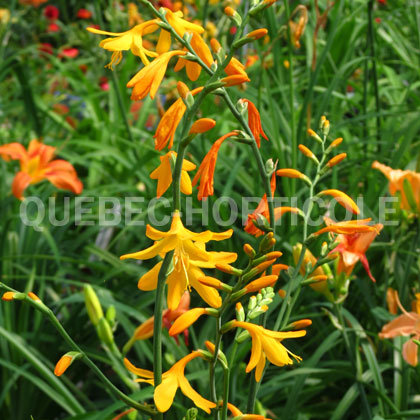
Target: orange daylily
[(37, 164), (352, 248), (163, 173), (407, 324), (254, 122), (128, 40), (173, 379), (189, 257), (149, 78), (165, 132), (267, 344), (205, 172), (396, 179)]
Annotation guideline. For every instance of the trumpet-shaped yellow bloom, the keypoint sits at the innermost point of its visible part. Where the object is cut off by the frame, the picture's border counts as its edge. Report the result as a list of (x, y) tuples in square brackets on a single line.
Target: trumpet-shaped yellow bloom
[(128, 40), (267, 344), (149, 78), (163, 173), (173, 379), (188, 259)]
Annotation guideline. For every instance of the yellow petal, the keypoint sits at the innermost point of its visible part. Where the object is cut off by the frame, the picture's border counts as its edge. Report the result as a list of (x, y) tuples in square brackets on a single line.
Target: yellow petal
[(260, 368), (147, 374), (198, 400), (186, 320), (342, 199), (163, 246), (164, 42), (177, 284), (208, 294), (255, 352), (165, 392), (149, 280), (186, 187)]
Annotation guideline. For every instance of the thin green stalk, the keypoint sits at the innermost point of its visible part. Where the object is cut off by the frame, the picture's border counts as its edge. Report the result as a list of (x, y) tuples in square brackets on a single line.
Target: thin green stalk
[(157, 325), (84, 357)]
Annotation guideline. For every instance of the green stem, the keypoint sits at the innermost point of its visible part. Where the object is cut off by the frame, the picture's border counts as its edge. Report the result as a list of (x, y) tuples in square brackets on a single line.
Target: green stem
[(57, 325), (157, 326)]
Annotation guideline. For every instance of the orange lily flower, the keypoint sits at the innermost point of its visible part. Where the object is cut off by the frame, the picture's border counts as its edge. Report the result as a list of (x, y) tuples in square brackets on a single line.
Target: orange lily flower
[(396, 179), (173, 379), (189, 257), (348, 227), (352, 248), (149, 78), (205, 172), (37, 164), (254, 122), (267, 344), (128, 40), (202, 50), (407, 324), (165, 132), (163, 173)]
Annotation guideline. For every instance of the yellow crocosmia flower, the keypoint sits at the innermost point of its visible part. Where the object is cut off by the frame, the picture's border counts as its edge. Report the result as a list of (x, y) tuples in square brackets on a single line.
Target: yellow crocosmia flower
[(189, 257), (203, 51), (267, 344), (129, 40), (149, 78), (181, 26), (173, 379), (163, 173)]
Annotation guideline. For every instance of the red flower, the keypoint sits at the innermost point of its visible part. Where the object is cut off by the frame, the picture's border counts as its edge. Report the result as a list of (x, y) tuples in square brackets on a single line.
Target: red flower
[(46, 48), (103, 83), (378, 20), (53, 27), (51, 12), (69, 53), (84, 14), (383, 2)]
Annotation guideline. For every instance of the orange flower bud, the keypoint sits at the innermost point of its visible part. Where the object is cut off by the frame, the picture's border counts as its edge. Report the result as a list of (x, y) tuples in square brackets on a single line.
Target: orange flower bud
[(8, 296), (319, 277), (264, 308), (216, 284), (236, 79), (215, 45), (391, 301), (210, 346), (282, 293), (274, 255), (292, 173), (308, 153), (186, 320), (182, 90), (257, 34), (202, 125), (249, 251), (286, 64), (228, 269), (229, 11), (279, 267), (336, 142), (342, 199), (34, 297), (62, 365), (302, 323), (336, 160), (261, 283)]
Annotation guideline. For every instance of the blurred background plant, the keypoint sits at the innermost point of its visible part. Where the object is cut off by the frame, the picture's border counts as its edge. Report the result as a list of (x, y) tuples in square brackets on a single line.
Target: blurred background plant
[(357, 62)]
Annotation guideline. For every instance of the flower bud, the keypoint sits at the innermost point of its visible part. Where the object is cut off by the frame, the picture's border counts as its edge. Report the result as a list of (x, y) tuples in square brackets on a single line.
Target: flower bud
[(336, 160), (202, 125), (240, 313), (314, 135), (234, 80), (216, 284), (249, 251), (65, 362), (308, 153), (234, 15), (228, 269), (93, 306), (257, 34), (105, 332)]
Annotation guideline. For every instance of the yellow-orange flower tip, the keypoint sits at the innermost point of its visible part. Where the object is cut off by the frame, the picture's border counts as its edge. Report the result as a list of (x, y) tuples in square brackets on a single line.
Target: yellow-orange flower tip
[(273, 255), (282, 293), (391, 300), (319, 277), (264, 308), (215, 45), (336, 142), (228, 269), (249, 250), (8, 296), (277, 268), (261, 283), (186, 320), (307, 152), (210, 346), (257, 34), (63, 364), (311, 132), (343, 199), (302, 323), (211, 282), (234, 80), (286, 64), (202, 125), (336, 160), (229, 11), (34, 297), (182, 89), (348, 228), (264, 265), (293, 173)]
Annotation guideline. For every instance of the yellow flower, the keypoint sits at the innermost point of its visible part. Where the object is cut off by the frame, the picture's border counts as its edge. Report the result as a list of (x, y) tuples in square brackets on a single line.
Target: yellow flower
[(173, 379), (149, 78), (189, 257), (163, 173), (266, 344), (237, 414), (128, 40)]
